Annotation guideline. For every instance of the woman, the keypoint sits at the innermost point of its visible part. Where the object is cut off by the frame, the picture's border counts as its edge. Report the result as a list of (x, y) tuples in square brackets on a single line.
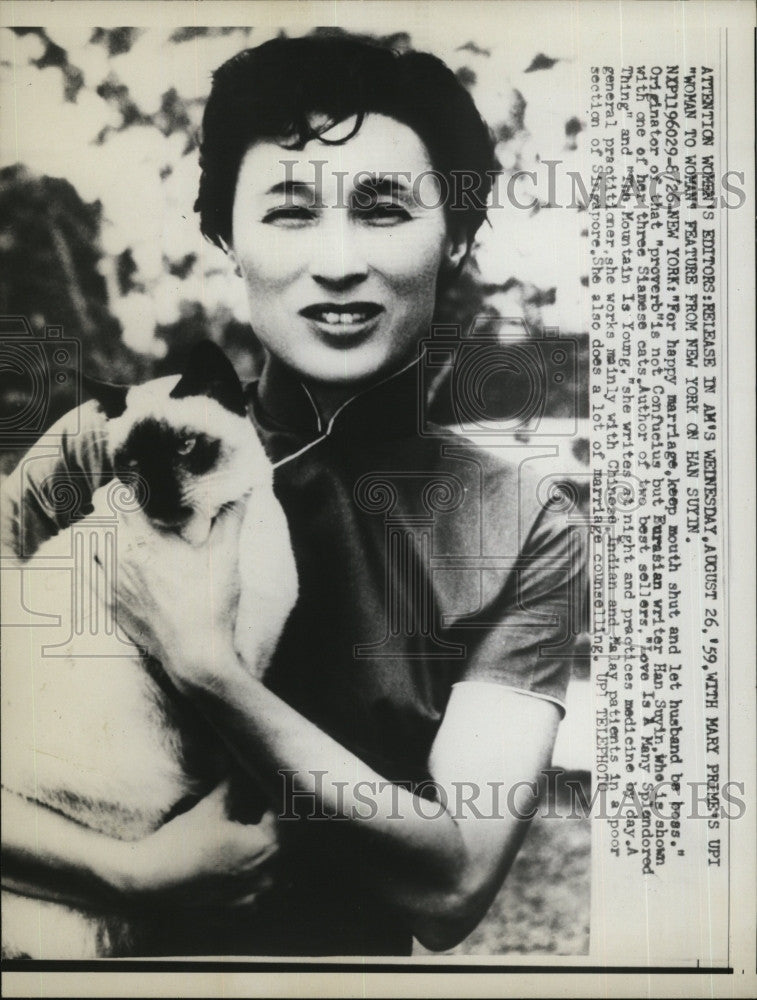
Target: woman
[(416, 689)]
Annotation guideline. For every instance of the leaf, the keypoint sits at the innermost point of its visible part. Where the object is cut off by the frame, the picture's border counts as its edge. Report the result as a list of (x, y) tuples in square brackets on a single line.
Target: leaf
[(541, 61), (475, 49)]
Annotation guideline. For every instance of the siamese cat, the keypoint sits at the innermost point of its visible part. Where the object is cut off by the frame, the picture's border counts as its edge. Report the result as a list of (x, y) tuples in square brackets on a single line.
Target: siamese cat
[(114, 746)]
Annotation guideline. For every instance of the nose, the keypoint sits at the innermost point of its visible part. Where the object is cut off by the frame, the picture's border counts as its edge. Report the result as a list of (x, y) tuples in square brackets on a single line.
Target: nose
[(169, 519), (338, 262)]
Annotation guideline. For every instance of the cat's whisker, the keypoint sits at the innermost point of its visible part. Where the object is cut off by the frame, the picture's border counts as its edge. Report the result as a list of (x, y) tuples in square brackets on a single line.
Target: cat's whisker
[(233, 509), (207, 486)]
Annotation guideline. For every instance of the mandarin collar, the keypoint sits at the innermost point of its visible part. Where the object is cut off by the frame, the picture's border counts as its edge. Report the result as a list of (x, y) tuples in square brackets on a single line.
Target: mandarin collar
[(390, 408)]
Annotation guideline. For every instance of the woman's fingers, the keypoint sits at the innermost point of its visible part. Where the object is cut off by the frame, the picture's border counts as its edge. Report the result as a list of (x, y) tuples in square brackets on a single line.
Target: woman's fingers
[(214, 802), (177, 600), (204, 859)]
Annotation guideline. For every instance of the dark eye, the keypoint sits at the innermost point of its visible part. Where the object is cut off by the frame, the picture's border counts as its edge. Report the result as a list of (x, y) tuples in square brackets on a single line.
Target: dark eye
[(186, 446), (385, 214), (291, 216)]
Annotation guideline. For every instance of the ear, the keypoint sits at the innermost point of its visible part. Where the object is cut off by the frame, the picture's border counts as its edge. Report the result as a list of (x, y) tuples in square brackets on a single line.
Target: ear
[(112, 398), (229, 251), (456, 251), (210, 373)]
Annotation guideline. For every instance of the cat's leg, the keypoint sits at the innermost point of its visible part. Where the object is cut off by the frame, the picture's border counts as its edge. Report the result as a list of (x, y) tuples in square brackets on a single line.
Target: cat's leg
[(268, 580)]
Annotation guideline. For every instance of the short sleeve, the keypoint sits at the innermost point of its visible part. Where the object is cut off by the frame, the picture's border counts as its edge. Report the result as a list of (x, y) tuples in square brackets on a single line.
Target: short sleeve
[(52, 485), (539, 613)]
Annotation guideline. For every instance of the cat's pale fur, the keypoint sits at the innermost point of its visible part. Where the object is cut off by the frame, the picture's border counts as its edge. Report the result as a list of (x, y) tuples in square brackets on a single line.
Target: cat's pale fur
[(103, 738)]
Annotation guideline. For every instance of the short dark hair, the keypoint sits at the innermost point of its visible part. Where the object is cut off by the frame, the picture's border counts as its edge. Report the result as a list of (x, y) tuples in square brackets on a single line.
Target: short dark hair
[(272, 91)]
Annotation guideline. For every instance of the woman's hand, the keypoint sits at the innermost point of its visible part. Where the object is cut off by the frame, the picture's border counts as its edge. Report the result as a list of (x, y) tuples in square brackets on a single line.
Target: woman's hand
[(176, 600), (201, 858), (204, 858)]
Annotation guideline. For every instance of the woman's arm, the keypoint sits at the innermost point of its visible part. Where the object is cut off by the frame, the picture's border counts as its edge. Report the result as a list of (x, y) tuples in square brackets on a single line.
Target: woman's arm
[(440, 873), (45, 854), (441, 867), (50, 857), (492, 748)]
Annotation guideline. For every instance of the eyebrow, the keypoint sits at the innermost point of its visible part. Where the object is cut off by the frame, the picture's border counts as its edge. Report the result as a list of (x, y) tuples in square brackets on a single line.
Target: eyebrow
[(391, 184), (375, 183), (290, 187)]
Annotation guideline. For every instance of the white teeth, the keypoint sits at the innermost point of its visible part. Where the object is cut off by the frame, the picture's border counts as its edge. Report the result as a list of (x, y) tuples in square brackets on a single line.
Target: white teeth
[(342, 319)]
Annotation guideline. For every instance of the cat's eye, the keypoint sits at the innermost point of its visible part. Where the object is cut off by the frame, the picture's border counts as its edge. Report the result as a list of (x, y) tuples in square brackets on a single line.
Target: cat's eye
[(186, 445)]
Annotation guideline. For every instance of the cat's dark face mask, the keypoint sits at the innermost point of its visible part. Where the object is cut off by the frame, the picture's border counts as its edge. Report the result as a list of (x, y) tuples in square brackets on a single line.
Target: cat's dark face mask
[(184, 444), (166, 458)]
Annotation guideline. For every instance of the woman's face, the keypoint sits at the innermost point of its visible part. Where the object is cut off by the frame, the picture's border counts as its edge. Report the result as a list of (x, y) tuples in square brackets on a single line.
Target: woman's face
[(340, 258)]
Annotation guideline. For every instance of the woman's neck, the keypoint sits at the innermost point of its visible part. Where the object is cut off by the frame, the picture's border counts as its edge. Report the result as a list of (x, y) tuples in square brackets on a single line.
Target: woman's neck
[(329, 397)]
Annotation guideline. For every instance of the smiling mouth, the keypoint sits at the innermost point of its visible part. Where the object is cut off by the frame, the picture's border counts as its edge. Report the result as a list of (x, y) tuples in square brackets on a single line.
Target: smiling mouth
[(348, 318)]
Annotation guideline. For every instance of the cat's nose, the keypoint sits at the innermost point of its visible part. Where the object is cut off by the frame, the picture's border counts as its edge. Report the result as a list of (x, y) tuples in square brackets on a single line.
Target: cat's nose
[(173, 521)]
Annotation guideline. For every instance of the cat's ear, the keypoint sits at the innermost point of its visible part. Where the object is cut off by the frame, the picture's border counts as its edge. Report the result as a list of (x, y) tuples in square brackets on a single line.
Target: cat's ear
[(112, 398), (210, 373)]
